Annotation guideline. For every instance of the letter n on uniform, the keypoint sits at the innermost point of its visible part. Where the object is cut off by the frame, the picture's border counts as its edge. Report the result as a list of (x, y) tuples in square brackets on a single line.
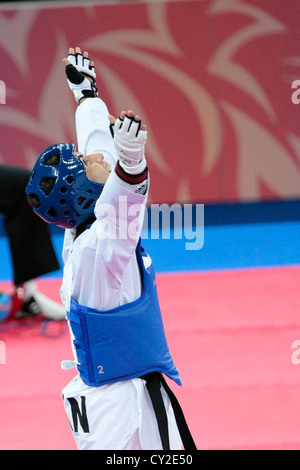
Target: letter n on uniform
[(79, 414)]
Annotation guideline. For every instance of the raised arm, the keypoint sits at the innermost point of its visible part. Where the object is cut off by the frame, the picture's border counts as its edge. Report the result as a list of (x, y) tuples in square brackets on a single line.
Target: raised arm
[(91, 117)]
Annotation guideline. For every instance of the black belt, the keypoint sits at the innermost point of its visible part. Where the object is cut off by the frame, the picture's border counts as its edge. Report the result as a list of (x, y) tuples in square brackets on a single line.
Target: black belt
[(154, 380)]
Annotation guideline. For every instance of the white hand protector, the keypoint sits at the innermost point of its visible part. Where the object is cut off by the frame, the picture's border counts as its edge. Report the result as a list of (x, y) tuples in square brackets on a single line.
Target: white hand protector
[(130, 143), (82, 64), (76, 73)]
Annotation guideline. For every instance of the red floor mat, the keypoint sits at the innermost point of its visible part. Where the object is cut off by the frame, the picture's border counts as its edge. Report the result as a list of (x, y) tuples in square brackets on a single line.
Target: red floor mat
[(230, 334)]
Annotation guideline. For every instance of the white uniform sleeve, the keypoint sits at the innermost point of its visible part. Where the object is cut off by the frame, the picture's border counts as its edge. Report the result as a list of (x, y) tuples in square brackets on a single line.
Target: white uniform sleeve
[(120, 215), (101, 269), (92, 129), (121, 206)]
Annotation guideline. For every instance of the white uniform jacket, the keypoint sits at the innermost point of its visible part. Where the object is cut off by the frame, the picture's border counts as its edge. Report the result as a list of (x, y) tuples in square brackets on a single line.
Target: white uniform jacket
[(101, 271)]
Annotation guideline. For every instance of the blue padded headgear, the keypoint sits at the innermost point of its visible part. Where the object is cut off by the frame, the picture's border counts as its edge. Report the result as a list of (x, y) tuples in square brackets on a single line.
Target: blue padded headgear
[(71, 196)]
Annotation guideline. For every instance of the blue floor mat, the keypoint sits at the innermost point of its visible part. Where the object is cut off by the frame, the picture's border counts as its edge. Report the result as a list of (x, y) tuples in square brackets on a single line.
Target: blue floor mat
[(225, 247), (230, 247)]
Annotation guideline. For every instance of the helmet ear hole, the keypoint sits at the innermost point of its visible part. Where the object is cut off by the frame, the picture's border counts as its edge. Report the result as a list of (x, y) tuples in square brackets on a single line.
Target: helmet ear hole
[(53, 160), (47, 184), (33, 200), (52, 213)]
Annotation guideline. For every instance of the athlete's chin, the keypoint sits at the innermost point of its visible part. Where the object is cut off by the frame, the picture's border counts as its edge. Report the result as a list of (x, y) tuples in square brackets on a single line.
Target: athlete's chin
[(97, 174)]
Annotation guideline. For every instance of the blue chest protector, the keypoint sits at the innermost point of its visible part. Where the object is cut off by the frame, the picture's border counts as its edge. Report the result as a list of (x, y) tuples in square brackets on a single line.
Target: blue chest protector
[(124, 342)]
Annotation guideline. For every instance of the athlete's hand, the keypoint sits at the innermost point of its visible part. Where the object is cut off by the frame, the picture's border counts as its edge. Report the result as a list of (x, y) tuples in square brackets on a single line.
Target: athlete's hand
[(81, 75), (130, 137)]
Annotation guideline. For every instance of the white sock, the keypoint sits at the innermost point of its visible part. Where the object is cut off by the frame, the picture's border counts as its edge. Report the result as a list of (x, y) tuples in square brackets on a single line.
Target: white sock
[(50, 308), (30, 289)]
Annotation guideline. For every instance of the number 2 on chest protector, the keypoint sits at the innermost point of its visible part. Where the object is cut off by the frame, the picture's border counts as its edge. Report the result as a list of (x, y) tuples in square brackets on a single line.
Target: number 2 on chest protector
[(100, 371)]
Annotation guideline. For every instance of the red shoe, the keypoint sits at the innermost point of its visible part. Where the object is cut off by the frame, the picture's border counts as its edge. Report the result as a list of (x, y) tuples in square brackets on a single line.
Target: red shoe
[(17, 300), (14, 307), (29, 309)]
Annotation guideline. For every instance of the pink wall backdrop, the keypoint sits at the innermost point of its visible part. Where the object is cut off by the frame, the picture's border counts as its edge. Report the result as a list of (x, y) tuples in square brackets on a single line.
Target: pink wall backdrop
[(212, 79)]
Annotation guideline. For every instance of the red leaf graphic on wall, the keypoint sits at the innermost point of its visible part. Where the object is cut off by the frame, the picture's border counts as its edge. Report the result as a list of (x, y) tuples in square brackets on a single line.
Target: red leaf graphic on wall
[(212, 79)]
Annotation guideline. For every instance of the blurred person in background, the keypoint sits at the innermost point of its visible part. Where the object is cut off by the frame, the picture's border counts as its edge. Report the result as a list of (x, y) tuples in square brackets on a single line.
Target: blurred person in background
[(31, 249)]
